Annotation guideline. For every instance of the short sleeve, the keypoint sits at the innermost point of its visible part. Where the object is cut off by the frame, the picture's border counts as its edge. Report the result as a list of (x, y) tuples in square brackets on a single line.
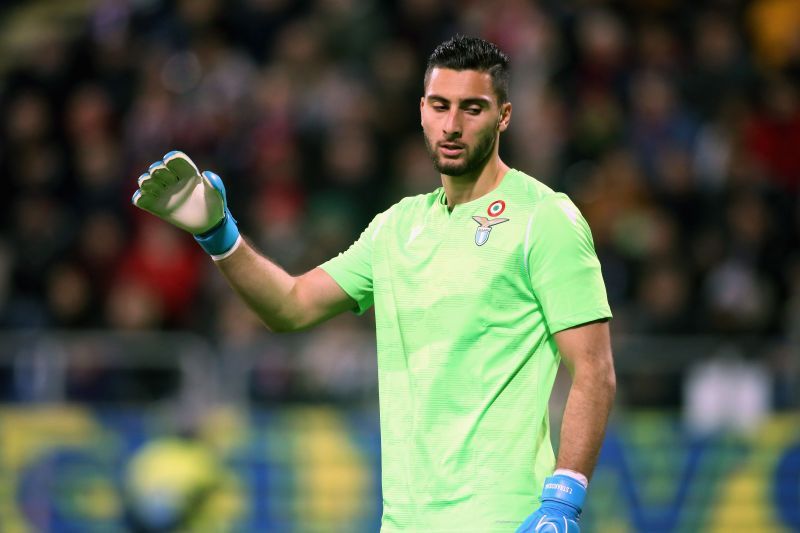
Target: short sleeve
[(563, 266), (352, 269)]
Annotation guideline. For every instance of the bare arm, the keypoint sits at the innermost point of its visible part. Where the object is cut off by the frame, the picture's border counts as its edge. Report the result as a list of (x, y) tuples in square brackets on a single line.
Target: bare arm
[(586, 351), (283, 302)]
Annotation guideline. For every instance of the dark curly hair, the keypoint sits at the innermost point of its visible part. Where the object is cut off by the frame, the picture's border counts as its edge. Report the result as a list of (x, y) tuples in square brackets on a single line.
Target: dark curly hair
[(472, 53)]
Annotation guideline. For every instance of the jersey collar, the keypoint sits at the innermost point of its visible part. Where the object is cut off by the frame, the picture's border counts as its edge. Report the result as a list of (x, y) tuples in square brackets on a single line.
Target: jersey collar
[(468, 207)]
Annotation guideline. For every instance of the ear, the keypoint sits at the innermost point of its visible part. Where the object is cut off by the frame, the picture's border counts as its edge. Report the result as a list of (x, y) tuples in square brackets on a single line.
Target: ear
[(421, 105), (505, 117)]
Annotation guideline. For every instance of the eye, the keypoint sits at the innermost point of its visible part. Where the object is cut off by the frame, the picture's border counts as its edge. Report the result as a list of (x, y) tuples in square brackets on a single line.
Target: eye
[(474, 110), (439, 106)]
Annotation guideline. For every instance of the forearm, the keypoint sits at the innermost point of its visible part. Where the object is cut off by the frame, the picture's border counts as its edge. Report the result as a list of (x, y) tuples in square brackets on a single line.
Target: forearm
[(174, 190), (585, 417), (265, 287), (587, 354)]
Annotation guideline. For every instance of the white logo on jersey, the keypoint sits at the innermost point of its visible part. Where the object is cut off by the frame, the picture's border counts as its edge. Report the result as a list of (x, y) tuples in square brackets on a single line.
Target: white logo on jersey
[(570, 210), (485, 227), (415, 231)]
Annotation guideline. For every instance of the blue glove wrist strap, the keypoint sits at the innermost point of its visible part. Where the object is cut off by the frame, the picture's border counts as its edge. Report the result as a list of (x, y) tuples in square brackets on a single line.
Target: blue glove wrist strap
[(221, 237), (560, 490)]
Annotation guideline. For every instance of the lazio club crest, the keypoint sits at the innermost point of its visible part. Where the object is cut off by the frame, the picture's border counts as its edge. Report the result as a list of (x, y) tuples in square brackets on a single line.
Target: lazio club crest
[(485, 225)]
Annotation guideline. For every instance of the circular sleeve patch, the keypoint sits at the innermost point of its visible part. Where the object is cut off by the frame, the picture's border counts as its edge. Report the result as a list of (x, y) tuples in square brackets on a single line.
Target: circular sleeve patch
[(496, 208)]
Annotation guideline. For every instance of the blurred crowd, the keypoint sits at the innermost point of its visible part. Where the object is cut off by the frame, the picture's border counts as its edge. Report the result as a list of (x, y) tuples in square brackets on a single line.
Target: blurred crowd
[(675, 126)]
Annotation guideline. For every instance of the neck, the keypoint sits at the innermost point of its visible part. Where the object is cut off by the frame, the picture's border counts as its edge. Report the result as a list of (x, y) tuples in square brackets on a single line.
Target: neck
[(467, 187)]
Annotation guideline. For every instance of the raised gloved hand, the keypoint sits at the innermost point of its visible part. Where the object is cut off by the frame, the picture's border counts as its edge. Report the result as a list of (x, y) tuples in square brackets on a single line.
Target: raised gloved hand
[(562, 500), (174, 190)]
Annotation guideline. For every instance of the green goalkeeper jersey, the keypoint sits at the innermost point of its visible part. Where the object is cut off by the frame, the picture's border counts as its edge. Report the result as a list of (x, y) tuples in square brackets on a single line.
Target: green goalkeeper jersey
[(466, 305)]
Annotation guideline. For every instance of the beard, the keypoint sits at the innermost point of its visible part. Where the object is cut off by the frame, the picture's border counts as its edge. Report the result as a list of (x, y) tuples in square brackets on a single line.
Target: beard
[(474, 158)]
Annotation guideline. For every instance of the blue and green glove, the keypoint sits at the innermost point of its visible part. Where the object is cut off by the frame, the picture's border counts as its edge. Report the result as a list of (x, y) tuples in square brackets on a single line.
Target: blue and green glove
[(174, 190), (562, 500)]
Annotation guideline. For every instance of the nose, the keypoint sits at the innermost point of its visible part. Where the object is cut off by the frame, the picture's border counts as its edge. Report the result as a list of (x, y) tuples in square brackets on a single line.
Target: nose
[(452, 125)]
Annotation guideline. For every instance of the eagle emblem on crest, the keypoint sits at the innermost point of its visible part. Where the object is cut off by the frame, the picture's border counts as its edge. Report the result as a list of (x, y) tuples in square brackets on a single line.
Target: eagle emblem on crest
[(485, 227)]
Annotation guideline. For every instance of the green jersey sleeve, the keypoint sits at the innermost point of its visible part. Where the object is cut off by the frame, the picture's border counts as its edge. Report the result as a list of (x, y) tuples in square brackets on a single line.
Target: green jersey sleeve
[(563, 266), (352, 269)]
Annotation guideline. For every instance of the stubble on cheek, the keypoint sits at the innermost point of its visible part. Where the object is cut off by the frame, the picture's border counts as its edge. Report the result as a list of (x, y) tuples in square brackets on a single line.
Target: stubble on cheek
[(450, 167), (470, 160)]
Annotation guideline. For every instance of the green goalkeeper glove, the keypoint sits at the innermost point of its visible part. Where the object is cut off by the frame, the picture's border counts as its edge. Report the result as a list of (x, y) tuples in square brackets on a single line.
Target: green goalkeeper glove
[(174, 190)]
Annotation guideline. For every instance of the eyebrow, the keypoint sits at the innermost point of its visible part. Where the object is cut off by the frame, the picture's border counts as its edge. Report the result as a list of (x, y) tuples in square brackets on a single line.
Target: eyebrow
[(481, 101)]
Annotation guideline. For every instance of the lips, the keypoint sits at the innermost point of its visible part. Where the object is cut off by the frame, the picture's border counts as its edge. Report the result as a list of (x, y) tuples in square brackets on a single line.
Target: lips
[(451, 149)]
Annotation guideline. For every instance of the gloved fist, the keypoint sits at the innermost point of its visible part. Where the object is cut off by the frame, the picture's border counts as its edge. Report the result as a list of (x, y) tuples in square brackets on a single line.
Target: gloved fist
[(174, 190), (562, 499)]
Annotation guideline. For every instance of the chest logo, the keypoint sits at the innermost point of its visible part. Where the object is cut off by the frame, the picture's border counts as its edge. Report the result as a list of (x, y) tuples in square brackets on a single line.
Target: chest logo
[(485, 227), (496, 208), (415, 231)]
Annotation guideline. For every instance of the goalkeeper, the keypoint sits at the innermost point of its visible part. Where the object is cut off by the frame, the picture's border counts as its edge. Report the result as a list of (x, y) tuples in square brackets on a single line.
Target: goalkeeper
[(480, 288)]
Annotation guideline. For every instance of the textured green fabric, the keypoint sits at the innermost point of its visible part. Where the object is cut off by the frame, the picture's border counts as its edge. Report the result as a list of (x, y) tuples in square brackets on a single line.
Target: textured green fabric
[(466, 357)]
